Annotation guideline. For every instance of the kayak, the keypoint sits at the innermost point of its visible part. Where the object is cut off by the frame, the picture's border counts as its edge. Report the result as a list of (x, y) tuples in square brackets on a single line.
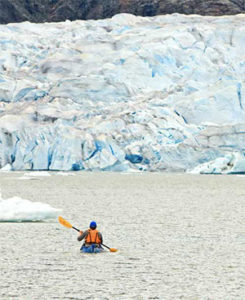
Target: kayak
[(91, 249)]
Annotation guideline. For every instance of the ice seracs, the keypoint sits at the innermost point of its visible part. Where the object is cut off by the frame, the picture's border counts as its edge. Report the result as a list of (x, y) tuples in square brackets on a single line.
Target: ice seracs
[(125, 94)]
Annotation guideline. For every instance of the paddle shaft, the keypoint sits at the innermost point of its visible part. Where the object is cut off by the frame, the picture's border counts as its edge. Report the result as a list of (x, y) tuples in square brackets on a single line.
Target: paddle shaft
[(75, 228), (106, 246)]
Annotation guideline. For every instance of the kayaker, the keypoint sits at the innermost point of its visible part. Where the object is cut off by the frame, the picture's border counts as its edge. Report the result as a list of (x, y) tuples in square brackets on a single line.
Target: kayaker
[(92, 236)]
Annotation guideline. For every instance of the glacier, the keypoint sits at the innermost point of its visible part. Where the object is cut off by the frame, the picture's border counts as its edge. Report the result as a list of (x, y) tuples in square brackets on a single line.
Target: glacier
[(164, 93)]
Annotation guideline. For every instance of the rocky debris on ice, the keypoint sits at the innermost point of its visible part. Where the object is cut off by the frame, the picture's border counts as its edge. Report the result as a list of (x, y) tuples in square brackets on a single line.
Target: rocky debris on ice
[(122, 94)]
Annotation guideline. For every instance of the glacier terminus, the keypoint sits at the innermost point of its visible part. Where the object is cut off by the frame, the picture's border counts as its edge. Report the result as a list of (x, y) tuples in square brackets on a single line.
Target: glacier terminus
[(124, 94)]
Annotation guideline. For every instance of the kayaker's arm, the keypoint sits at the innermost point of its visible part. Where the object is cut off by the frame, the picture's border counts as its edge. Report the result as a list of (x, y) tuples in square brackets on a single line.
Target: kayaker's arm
[(101, 237), (82, 235)]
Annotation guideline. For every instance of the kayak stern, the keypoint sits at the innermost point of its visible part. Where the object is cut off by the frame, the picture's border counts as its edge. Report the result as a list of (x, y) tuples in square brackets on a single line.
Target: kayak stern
[(91, 249)]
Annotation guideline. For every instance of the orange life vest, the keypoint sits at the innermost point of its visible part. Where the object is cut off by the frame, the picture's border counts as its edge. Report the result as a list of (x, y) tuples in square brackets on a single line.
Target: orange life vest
[(93, 237)]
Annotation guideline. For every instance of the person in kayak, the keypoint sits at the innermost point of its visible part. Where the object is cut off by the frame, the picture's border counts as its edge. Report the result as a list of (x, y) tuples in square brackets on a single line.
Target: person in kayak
[(92, 236)]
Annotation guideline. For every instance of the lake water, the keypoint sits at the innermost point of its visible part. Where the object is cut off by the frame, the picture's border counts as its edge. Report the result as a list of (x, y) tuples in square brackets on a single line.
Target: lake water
[(178, 237)]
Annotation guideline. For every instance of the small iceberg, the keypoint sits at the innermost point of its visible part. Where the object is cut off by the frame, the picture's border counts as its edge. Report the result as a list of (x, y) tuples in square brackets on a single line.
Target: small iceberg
[(65, 174), (232, 163), (34, 175), (6, 168), (17, 209), (37, 174)]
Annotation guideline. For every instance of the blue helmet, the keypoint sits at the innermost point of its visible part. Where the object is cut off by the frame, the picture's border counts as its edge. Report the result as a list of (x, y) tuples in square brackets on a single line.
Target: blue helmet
[(93, 225)]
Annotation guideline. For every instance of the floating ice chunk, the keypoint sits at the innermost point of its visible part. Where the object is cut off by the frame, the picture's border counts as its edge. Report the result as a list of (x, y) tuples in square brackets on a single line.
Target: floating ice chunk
[(238, 163), (218, 166), (37, 174), (65, 174), (17, 209), (230, 164), (6, 168)]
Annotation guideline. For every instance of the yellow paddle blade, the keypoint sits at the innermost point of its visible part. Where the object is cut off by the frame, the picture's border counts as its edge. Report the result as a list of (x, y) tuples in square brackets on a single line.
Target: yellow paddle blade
[(64, 222), (113, 250)]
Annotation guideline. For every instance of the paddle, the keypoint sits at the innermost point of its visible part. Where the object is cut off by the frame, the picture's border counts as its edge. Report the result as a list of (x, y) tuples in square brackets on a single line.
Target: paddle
[(68, 225)]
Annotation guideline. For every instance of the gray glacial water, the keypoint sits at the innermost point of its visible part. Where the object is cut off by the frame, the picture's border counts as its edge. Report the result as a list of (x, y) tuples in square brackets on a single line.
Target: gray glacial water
[(179, 237)]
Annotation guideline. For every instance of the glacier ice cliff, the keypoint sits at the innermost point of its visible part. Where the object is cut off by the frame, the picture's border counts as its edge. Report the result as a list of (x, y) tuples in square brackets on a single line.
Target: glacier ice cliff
[(124, 94)]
